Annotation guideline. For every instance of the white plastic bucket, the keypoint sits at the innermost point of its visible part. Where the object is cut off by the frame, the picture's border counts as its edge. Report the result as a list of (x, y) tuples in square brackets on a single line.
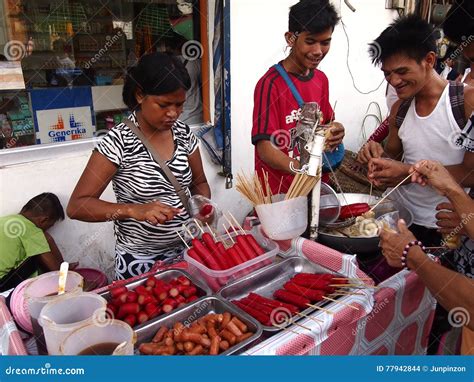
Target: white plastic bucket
[(284, 220), (68, 313), (114, 331)]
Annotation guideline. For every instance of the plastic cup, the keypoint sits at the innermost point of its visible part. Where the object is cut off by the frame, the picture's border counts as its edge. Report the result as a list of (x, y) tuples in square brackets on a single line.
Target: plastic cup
[(68, 313), (44, 289), (284, 220), (94, 336)]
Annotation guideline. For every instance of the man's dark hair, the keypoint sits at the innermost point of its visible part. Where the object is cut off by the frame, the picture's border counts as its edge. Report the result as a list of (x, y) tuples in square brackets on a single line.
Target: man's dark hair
[(408, 35), (155, 74), (459, 23), (313, 16), (45, 204)]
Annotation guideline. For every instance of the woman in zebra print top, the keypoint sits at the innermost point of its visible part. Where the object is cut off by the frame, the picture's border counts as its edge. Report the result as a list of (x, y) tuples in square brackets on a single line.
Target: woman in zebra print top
[(148, 211)]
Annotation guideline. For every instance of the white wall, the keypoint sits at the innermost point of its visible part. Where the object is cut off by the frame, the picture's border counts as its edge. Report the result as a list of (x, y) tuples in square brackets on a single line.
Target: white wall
[(257, 42)]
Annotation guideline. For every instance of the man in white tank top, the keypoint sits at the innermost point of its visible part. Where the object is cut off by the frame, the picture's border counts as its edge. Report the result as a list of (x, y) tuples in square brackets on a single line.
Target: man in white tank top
[(422, 122)]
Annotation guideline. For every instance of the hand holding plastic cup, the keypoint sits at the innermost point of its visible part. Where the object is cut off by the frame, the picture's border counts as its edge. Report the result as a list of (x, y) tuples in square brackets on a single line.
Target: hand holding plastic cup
[(204, 210)]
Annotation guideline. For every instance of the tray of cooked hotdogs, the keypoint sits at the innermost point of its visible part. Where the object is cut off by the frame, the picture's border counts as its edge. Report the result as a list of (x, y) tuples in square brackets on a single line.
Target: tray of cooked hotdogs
[(219, 261), (140, 301), (283, 293), (209, 326)]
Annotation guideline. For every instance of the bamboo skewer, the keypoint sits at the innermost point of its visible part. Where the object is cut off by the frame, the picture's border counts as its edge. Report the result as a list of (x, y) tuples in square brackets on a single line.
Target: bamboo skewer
[(199, 226), (184, 241), (340, 302), (319, 308), (188, 231), (311, 318), (211, 231), (230, 237), (236, 222), (393, 189), (343, 293), (353, 286)]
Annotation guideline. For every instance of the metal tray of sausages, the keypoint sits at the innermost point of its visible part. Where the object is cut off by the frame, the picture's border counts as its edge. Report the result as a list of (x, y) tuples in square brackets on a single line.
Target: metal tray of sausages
[(266, 281), (191, 313), (168, 275)]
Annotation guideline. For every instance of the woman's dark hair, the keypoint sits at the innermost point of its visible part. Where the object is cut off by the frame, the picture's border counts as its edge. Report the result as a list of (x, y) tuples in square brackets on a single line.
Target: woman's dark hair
[(459, 23), (45, 204), (408, 35), (313, 16), (155, 74)]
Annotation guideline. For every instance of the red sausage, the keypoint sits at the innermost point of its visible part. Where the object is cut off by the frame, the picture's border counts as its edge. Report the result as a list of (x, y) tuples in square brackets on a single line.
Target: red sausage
[(259, 316), (312, 294), (246, 248), (314, 284), (193, 254), (255, 246), (234, 255), (257, 306), (240, 253), (292, 298), (209, 241), (204, 253), (273, 303)]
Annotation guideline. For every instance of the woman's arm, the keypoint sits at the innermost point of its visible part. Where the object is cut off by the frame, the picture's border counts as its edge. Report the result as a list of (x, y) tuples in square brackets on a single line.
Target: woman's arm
[(85, 204), (199, 184)]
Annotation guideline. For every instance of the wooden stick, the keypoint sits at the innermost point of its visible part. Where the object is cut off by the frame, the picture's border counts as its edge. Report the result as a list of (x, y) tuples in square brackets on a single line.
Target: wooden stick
[(393, 189), (186, 244), (311, 318), (353, 286), (230, 224), (301, 326), (230, 237), (342, 293), (340, 302), (319, 308), (211, 231), (236, 222), (279, 187), (188, 231), (200, 228)]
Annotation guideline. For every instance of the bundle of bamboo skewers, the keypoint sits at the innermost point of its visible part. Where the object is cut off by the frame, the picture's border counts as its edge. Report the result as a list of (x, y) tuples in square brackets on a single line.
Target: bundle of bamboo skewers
[(251, 187)]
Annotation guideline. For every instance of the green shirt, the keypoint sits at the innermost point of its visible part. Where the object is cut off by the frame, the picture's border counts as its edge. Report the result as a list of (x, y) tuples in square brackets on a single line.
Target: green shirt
[(20, 238)]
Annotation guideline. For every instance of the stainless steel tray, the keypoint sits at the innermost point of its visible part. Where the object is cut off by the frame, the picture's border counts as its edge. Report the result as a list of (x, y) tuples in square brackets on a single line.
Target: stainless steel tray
[(202, 288), (200, 308), (266, 281)]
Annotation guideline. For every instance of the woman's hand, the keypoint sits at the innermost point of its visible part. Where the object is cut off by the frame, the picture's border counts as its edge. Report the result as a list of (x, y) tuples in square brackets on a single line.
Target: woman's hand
[(393, 244), (153, 213), (335, 136), (434, 174)]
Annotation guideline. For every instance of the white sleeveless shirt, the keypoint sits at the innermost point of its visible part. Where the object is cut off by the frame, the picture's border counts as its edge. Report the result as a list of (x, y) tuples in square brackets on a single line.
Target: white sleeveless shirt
[(432, 138)]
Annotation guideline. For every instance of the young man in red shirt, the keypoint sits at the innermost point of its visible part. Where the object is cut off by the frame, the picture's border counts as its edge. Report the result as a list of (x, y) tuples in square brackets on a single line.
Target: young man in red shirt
[(276, 109)]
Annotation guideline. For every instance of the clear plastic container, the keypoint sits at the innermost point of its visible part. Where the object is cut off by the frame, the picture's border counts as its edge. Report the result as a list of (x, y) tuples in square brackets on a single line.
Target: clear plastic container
[(95, 337), (217, 279), (284, 220), (68, 313)]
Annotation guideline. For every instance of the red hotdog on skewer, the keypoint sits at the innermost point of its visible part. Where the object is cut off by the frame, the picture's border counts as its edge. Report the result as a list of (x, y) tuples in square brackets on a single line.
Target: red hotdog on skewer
[(313, 284), (209, 241), (259, 316), (273, 303), (255, 246), (246, 248), (312, 294), (291, 298), (204, 254)]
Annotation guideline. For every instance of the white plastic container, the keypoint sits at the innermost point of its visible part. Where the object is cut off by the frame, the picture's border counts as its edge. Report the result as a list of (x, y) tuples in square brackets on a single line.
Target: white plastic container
[(42, 290), (114, 331), (284, 220), (217, 279), (68, 313)]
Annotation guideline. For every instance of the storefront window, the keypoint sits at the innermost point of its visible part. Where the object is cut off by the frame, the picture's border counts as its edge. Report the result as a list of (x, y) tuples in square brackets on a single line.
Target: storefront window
[(73, 57)]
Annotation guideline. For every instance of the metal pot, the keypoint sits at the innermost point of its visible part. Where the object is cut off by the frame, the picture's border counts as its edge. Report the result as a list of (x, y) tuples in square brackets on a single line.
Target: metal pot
[(363, 245)]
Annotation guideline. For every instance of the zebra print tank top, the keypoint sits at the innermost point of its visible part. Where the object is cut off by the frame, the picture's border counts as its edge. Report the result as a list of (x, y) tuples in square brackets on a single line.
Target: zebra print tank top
[(139, 180)]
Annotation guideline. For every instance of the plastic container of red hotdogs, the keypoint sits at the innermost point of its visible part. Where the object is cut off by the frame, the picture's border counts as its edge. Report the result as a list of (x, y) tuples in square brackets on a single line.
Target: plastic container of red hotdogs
[(237, 260)]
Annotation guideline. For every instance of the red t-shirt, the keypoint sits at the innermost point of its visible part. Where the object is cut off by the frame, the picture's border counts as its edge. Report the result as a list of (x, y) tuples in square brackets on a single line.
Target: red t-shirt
[(276, 112)]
